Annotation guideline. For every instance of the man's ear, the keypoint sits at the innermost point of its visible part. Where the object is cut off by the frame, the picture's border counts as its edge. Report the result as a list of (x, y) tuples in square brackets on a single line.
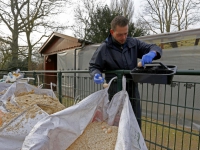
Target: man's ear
[(111, 31)]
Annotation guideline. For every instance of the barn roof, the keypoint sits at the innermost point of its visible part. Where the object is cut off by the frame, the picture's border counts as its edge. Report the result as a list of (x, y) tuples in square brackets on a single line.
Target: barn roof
[(58, 42)]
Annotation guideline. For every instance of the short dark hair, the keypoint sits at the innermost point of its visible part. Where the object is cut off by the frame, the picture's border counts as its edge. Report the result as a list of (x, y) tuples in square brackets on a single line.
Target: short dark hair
[(119, 21)]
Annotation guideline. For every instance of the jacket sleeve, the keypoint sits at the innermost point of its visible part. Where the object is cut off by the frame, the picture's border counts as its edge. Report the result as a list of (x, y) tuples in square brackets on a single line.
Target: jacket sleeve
[(96, 63), (143, 48)]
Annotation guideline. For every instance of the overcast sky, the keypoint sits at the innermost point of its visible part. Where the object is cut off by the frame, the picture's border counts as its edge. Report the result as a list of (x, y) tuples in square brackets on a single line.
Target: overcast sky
[(68, 16), (65, 18)]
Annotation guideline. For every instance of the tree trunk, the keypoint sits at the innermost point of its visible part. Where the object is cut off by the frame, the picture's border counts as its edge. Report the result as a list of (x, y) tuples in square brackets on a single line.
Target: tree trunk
[(29, 51), (14, 45)]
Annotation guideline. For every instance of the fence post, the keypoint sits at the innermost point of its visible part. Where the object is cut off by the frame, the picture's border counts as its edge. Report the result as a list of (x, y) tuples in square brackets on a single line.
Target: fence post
[(119, 82), (60, 86), (34, 76)]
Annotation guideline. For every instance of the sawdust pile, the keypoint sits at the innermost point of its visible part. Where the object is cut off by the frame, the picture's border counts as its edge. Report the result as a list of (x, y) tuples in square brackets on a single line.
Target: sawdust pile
[(97, 136), (25, 103), (1, 116), (23, 119), (3, 92)]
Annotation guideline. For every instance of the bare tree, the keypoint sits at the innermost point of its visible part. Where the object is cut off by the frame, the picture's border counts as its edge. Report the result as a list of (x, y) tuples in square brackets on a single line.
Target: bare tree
[(140, 24), (114, 5), (9, 14), (35, 19), (93, 21), (126, 6), (166, 15), (187, 13), (83, 13), (5, 54), (26, 17)]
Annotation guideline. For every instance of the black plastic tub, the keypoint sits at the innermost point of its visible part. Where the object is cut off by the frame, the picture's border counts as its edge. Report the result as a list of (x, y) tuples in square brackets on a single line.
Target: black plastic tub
[(155, 73)]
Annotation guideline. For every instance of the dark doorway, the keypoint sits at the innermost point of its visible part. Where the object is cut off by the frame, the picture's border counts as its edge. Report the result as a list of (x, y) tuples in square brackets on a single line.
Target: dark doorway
[(50, 64)]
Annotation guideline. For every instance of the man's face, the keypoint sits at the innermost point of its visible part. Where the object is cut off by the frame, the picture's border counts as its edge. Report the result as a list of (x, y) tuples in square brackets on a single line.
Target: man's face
[(120, 34)]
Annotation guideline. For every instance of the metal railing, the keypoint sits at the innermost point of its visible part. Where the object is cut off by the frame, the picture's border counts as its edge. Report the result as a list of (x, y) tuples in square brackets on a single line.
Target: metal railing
[(170, 113), (3, 72)]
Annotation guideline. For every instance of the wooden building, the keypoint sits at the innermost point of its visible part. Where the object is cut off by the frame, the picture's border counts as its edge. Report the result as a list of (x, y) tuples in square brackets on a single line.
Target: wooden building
[(55, 44)]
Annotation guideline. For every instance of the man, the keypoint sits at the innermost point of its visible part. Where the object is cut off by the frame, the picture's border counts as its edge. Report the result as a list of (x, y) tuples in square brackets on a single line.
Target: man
[(119, 52)]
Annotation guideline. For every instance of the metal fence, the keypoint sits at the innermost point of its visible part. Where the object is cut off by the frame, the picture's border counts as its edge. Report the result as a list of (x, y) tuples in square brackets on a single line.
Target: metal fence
[(3, 72), (170, 113)]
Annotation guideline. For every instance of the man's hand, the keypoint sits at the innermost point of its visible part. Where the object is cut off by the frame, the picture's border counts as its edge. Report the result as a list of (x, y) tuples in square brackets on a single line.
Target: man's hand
[(147, 58), (98, 79)]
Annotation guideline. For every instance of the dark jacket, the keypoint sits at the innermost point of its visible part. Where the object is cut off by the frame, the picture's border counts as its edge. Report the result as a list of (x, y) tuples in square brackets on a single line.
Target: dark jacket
[(112, 56)]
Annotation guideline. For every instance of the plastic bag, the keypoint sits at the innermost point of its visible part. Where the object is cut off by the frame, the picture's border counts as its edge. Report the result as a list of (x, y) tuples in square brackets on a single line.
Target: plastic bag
[(23, 87), (12, 135), (12, 76), (3, 88), (14, 130), (60, 130)]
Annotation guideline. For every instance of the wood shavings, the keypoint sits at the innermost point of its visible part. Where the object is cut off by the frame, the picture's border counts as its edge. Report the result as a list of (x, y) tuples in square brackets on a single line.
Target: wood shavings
[(29, 113), (25, 102), (1, 116), (95, 138), (23, 93), (3, 92)]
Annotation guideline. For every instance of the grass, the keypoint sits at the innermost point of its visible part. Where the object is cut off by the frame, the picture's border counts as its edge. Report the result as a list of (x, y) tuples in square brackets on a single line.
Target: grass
[(189, 42), (170, 137), (68, 101)]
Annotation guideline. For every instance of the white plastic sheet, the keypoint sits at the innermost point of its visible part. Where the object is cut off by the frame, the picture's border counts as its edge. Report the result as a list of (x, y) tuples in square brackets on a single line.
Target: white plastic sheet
[(58, 131), (4, 87), (13, 133), (23, 87)]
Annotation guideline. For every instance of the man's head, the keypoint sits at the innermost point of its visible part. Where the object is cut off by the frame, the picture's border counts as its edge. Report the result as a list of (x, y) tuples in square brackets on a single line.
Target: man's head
[(119, 29)]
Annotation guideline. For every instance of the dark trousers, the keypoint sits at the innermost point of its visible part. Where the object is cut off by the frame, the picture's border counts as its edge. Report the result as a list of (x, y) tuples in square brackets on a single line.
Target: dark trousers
[(132, 89)]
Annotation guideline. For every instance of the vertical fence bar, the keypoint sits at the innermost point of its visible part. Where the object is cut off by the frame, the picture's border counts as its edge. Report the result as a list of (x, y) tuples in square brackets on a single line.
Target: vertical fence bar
[(74, 85), (119, 81), (177, 115), (191, 130), (157, 126), (35, 77), (163, 118), (60, 86), (170, 113), (151, 118), (184, 115)]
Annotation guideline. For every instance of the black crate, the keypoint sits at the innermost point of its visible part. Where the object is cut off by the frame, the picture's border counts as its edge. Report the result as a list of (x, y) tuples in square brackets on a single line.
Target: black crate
[(155, 73)]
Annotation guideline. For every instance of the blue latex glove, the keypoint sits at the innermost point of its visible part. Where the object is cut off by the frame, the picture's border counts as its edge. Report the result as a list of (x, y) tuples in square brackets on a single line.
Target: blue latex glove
[(147, 58), (98, 79)]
